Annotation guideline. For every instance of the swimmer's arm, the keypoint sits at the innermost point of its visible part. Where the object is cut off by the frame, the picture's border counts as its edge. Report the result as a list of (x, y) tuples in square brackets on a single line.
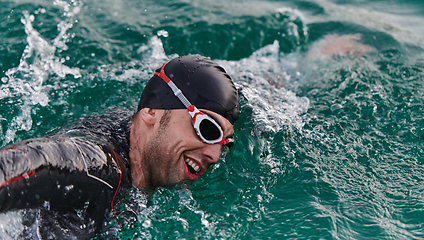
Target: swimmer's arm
[(57, 173)]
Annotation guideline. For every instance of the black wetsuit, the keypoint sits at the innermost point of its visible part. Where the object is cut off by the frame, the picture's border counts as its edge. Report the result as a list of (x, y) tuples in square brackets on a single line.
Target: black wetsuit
[(73, 177)]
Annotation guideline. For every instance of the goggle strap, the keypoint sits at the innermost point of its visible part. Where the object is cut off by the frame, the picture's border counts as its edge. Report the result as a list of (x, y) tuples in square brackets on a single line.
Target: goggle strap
[(179, 94), (174, 88)]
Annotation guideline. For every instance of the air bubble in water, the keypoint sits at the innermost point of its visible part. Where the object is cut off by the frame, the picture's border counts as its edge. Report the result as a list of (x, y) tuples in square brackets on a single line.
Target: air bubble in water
[(336, 107)]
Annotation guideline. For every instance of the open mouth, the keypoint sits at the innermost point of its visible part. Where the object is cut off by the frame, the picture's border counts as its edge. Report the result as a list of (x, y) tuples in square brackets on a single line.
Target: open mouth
[(192, 166)]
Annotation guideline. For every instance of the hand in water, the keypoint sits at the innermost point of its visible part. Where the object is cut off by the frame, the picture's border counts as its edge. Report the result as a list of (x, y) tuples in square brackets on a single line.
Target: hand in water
[(334, 45)]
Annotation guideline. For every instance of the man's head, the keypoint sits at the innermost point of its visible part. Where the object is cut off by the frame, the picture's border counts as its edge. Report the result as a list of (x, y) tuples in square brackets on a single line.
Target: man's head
[(205, 84), (165, 148)]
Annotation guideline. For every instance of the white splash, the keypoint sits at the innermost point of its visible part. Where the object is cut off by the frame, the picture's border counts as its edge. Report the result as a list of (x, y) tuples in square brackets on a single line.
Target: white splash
[(153, 56), (153, 51), (294, 15), (69, 11), (163, 33), (262, 77), (12, 218), (38, 63)]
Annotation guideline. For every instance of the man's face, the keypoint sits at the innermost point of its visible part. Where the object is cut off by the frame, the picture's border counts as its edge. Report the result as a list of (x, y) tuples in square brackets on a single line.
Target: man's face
[(175, 153)]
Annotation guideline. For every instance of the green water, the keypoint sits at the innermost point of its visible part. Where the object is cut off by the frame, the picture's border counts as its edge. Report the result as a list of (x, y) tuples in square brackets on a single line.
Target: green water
[(327, 147)]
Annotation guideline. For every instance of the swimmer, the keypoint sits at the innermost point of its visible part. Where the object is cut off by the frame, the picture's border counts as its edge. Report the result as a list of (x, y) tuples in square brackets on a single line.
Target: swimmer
[(185, 118)]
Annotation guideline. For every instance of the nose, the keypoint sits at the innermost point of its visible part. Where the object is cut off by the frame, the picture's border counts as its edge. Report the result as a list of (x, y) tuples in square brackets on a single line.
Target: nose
[(212, 152)]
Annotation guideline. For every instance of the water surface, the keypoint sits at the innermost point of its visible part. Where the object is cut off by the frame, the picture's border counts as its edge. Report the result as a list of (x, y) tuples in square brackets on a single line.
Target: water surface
[(330, 137)]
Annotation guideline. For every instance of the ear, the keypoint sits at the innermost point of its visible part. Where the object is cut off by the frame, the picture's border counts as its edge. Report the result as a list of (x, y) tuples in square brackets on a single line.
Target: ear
[(150, 116)]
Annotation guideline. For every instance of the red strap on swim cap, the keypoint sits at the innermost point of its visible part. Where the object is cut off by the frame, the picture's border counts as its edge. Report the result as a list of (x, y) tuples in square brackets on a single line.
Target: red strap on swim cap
[(162, 74)]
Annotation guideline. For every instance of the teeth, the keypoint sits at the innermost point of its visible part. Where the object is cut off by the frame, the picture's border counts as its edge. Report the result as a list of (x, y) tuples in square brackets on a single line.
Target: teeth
[(192, 164)]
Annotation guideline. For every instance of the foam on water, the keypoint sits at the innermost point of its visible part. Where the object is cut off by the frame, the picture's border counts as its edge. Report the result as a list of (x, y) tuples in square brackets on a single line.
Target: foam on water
[(152, 56), (14, 219), (262, 78)]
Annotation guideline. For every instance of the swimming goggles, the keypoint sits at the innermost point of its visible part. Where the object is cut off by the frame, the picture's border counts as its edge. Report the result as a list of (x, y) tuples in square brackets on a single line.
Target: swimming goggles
[(208, 130)]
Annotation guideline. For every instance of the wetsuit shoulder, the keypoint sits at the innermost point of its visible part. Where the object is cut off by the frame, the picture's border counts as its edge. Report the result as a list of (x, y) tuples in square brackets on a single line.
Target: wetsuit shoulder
[(65, 172), (70, 178)]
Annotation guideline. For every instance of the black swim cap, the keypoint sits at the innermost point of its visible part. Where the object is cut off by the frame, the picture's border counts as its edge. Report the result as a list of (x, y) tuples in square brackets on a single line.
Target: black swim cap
[(205, 84)]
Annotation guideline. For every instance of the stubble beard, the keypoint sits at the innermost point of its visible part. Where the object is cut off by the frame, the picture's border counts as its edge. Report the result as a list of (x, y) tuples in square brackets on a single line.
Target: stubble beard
[(159, 159)]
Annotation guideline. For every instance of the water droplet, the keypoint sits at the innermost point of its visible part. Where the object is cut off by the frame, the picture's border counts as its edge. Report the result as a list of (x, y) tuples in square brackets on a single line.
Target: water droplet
[(69, 187), (163, 33)]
